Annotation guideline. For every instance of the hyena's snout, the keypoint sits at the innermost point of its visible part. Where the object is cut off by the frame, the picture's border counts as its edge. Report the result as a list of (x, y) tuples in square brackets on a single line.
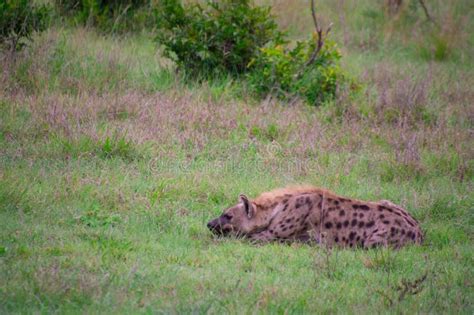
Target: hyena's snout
[(212, 225), (218, 226)]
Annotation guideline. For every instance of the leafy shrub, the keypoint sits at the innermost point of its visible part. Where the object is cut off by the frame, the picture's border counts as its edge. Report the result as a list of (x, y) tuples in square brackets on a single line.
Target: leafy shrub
[(220, 38), (284, 72), (107, 15), (19, 19), (232, 37)]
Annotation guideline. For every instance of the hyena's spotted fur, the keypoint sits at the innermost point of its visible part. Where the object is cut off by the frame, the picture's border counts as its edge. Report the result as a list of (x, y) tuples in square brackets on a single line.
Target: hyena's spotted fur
[(314, 214)]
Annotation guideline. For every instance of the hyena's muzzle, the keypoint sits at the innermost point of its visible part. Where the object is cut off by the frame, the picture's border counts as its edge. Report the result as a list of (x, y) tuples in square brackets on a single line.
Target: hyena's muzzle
[(220, 225)]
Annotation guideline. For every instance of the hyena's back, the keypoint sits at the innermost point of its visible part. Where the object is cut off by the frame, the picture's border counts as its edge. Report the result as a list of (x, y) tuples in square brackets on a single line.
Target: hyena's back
[(319, 215)]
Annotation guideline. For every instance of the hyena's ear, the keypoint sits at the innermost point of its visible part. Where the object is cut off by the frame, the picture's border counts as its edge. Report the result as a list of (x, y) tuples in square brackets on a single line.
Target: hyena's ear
[(248, 206)]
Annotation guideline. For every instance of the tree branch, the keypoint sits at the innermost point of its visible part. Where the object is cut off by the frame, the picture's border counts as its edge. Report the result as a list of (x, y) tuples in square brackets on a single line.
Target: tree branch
[(425, 9), (320, 42)]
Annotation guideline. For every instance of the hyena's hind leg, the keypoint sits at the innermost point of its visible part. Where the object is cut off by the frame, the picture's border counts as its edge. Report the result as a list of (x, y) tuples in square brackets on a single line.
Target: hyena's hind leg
[(377, 238)]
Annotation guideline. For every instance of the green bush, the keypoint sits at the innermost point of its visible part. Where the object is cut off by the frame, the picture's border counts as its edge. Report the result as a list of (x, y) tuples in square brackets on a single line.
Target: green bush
[(217, 39), (19, 19), (107, 15), (232, 37), (284, 72)]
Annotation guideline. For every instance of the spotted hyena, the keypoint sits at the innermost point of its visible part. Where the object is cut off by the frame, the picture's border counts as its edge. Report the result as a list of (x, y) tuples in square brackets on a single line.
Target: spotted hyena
[(314, 214)]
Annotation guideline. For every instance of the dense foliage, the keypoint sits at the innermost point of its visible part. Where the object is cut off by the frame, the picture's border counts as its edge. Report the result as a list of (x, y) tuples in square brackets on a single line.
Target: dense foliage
[(285, 73), (19, 19), (218, 39), (234, 38)]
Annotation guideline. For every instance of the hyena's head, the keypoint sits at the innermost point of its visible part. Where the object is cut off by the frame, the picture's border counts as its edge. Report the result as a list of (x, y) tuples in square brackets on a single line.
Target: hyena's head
[(238, 220)]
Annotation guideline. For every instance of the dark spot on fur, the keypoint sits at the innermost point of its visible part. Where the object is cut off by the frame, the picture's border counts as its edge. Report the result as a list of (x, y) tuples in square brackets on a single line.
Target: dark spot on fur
[(346, 223), (357, 238), (381, 216), (342, 213), (409, 233), (389, 210), (361, 215), (354, 222), (413, 236), (285, 207), (338, 225), (386, 222), (336, 239), (330, 199), (288, 220), (284, 229), (328, 225), (403, 231), (343, 199), (291, 226), (380, 208), (355, 206), (364, 207), (344, 239), (331, 209), (397, 222), (411, 223), (370, 224), (352, 235), (361, 224)]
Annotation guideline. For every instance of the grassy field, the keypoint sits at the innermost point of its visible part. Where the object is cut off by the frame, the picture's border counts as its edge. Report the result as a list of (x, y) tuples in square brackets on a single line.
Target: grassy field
[(111, 165)]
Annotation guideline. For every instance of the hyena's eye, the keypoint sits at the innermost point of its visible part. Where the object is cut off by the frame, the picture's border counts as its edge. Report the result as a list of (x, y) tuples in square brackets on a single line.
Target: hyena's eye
[(227, 217)]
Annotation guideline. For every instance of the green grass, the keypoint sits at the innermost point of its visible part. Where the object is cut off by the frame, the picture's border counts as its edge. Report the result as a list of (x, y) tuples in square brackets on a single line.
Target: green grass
[(111, 166)]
